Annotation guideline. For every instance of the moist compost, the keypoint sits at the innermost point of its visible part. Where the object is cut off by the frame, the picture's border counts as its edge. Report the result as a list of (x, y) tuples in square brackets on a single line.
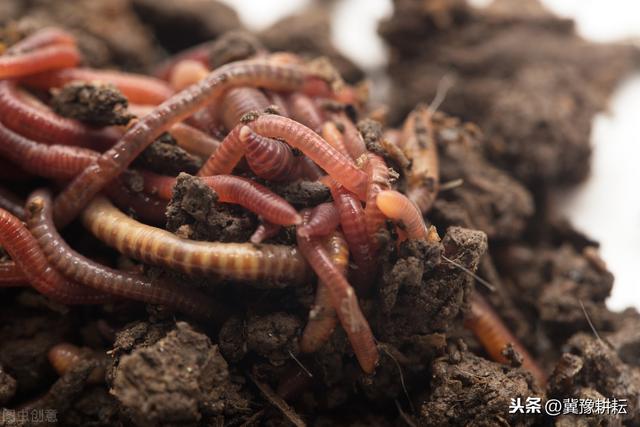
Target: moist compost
[(514, 125)]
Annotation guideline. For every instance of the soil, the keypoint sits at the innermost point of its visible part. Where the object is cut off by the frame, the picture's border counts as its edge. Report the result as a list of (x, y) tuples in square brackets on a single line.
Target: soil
[(534, 101), (543, 278)]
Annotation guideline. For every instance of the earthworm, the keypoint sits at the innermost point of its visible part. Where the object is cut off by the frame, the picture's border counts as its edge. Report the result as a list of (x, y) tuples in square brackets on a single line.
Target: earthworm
[(353, 140), (41, 38), (343, 300), (23, 248), (418, 142), (308, 169), (234, 189), (10, 202), (354, 227), (113, 162), (188, 137), (323, 220), (194, 140), (322, 317), (105, 279), (64, 356), (396, 206), (11, 275), (265, 231), (38, 60), (494, 336), (186, 73), (138, 88), (378, 181), (228, 154), (305, 111), (50, 161), (239, 101), (334, 137), (239, 261), (41, 124), (268, 158), (310, 143)]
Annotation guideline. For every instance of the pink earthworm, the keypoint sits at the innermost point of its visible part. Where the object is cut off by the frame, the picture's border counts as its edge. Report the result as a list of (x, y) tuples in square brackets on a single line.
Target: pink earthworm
[(45, 58), (11, 275), (304, 110), (354, 227), (265, 230), (298, 136), (378, 181), (23, 248), (239, 101), (343, 300), (396, 206), (322, 317), (324, 219)]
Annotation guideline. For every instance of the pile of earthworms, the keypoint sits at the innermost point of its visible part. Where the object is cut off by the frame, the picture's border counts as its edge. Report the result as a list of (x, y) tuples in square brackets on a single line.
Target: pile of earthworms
[(274, 127)]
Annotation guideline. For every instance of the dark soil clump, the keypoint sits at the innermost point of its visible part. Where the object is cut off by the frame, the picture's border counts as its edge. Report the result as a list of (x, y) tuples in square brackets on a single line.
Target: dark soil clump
[(92, 103)]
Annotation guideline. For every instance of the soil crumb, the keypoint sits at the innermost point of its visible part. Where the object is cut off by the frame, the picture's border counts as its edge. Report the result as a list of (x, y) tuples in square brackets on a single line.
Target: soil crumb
[(181, 379), (96, 104)]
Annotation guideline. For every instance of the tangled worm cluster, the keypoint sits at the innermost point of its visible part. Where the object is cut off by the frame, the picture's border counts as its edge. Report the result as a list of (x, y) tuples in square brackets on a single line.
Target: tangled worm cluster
[(276, 129)]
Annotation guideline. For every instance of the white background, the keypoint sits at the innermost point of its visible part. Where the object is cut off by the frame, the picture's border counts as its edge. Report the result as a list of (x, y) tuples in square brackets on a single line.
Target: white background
[(607, 206)]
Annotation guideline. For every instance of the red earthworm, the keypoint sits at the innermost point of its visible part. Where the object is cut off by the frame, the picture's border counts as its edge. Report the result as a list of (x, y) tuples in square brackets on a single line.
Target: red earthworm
[(324, 219), (36, 61), (310, 143), (239, 101), (239, 261), (11, 275), (50, 161), (322, 317), (105, 279), (186, 73), (334, 137), (43, 125), (188, 137), (378, 181), (343, 300), (10, 202), (228, 154), (396, 206), (265, 231), (41, 38), (494, 336), (353, 140), (268, 158), (194, 140), (234, 189), (137, 88), (23, 248), (242, 73), (64, 356), (305, 111), (418, 142), (354, 227)]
